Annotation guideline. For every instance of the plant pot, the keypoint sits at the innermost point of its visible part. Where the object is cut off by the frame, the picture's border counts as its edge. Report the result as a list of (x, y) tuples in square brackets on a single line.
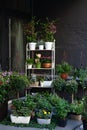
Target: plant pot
[(62, 122), (64, 75), (84, 124), (43, 121), (3, 110), (32, 45), (41, 47), (29, 66), (76, 117), (46, 65), (41, 83), (20, 119), (48, 45), (38, 65)]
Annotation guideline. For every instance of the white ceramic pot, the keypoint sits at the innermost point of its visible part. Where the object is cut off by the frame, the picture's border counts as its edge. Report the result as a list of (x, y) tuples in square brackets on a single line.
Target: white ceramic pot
[(43, 121), (29, 66), (41, 47), (20, 119), (48, 45), (32, 45), (41, 83)]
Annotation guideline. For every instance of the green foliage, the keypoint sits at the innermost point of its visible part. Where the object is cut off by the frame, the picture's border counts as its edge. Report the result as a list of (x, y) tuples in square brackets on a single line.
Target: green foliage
[(45, 60), (43, 103), (49, 30), (64, 67), (4, 86), (81, 74), (84, 114), (71, 86), (61, 106), (23, 107), (30, 30), (43, 114), (59, 84), (29, 60), (18, 81), (76, 107)]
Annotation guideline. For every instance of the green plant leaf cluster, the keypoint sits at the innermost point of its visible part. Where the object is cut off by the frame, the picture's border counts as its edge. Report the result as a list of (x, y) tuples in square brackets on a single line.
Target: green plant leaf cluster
[(64, 67), (76, 107)]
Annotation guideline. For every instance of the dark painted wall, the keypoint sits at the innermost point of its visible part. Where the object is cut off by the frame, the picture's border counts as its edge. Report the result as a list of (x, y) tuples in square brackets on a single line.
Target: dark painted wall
[(71, 37)]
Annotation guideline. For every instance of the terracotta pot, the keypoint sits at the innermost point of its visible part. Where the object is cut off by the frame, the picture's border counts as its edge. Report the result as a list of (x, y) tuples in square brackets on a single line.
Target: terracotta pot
[(46, 65), (64, 76)]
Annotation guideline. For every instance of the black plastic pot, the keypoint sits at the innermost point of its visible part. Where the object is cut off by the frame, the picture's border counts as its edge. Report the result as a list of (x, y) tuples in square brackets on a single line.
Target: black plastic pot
[(3, 110), (84, 124), (62, 122)]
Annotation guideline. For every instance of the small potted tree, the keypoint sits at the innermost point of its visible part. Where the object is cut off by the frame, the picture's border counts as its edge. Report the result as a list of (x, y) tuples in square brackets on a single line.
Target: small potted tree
[(71, 88), (18, 82)]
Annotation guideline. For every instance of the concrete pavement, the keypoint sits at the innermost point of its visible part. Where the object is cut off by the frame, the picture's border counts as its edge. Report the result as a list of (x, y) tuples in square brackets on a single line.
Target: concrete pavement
[(71, 124)]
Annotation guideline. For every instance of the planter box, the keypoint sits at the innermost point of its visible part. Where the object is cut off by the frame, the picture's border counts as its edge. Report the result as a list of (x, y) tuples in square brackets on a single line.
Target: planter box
[(47, 83), (20, 119), (43, 121)]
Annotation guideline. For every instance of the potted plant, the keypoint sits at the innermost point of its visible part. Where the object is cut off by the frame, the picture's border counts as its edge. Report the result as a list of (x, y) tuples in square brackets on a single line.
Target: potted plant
[(18, 82), (30, 62), (84, 114), (43, 116), (22, 110), (31, 33), (41, 80), (76, 109), (44, 109), (46, 62), (61, 109), (63, 69), (49, 30), (71, 88)]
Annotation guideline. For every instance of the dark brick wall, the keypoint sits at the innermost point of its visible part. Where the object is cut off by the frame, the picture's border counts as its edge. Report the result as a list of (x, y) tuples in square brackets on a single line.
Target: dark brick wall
[(71, 37)]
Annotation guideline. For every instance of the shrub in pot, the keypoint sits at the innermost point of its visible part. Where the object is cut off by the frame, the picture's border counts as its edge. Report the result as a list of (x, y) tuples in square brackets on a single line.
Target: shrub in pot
[(71, 88), (18, 82), (76, 109), (62, 109)]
